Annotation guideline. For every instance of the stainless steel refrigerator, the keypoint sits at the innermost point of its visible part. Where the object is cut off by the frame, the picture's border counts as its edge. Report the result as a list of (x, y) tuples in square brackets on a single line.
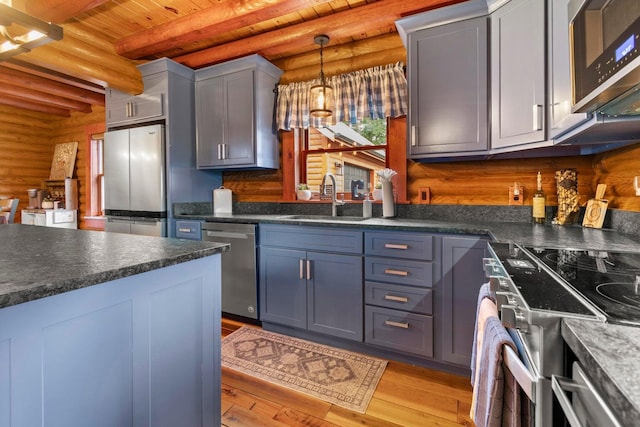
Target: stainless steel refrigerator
[(135, 181)]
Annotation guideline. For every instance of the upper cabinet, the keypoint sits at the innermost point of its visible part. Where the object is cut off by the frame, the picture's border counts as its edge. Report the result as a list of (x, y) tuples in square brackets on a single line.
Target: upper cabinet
[(124, 109), (447, 80), (518, 106), (234, 115)]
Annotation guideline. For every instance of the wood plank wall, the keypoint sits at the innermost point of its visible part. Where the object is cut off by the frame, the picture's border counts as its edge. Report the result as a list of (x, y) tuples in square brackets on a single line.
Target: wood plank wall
[(27, 141)]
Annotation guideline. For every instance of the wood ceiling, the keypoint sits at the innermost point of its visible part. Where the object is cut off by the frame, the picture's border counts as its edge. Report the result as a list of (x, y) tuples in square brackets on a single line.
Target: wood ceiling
[(104, 40)]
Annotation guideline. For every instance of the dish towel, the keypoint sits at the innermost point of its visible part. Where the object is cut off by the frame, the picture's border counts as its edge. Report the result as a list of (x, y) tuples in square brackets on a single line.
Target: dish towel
[(496, 395), (483, 293)]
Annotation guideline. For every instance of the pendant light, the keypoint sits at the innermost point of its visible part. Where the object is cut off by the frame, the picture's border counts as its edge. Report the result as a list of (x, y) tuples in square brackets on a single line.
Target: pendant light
[(321, 96), (32, 31)]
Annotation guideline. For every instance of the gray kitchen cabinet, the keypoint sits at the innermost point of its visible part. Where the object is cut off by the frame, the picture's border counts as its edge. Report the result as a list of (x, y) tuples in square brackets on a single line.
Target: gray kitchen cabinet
[(234, 114), (448, 82), (401, 270), (518, 106), (123, 108), (311, 279), (168, 98), (559, 71), (462, 276)]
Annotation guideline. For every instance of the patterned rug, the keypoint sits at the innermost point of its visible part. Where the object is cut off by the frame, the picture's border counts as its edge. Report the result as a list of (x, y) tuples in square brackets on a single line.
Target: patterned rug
[(344, 378)]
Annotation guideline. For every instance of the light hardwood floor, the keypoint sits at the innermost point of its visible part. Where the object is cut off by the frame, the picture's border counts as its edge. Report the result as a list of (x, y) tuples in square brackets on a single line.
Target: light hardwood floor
[(407, 396)]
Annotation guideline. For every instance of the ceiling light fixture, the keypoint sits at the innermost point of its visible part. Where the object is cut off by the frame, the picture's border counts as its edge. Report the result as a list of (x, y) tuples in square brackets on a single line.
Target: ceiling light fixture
[(31, 31), (321, 96)]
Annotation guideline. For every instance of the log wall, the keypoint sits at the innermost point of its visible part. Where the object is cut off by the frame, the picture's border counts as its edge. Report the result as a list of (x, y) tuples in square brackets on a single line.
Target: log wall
[(27, 142)]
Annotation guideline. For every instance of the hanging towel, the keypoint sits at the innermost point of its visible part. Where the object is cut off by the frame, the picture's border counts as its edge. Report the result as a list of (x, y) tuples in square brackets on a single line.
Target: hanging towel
[(493, 404), (482, 294)]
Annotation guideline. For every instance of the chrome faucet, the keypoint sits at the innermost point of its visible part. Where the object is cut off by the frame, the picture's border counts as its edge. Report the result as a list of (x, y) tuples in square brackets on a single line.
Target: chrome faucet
[(334, 200)]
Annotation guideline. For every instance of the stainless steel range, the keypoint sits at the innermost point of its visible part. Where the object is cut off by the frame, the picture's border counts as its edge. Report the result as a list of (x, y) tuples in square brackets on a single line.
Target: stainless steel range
[(535, 288)]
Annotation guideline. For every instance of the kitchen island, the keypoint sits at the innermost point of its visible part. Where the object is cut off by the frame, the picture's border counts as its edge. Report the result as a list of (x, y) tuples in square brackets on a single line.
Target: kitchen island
[(107, 329)]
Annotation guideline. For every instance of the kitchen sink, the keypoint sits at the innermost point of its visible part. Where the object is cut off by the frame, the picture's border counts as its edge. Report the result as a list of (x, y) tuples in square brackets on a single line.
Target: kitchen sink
[(327, 218)]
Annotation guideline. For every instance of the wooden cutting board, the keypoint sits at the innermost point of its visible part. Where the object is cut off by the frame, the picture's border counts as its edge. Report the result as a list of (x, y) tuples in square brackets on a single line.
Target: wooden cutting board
[(596, 209)]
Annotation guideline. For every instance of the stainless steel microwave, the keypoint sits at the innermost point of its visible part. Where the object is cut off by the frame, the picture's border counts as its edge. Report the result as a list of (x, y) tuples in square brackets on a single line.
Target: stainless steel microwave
[(605, 56)]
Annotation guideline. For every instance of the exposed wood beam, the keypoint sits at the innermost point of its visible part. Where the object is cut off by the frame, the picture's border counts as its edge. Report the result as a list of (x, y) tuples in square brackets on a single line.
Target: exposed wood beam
[(110, 70), (33, 106), (41, 84), (43, 98), (57, 11), (207, 23), (343, 66), (371, 17), (49, 74)]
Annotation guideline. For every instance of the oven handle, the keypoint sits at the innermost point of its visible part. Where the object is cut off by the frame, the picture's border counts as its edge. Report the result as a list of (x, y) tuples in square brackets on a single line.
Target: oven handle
[(560, 384), (523, 376)]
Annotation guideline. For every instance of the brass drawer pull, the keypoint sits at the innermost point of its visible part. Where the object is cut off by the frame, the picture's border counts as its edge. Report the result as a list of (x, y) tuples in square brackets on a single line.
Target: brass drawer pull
[(396, 246), (396, 324), (396, 272), (395, 298)]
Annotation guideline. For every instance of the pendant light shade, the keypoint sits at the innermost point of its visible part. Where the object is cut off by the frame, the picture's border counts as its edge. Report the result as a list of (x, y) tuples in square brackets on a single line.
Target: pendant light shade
[(321, 96)]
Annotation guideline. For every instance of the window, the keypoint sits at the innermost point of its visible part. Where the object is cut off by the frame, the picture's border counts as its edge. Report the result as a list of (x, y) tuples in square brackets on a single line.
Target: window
[(96, 177), (352, 154)]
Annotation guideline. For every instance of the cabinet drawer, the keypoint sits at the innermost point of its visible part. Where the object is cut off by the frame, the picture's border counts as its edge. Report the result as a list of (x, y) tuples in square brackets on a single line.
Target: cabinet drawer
[(188, 230), (399, 271), (399, 330), (311, 238), (417, 300), (400, 245)]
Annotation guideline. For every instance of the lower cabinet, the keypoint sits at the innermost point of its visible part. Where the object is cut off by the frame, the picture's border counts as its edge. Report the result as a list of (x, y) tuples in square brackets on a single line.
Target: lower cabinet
[(462, 276), (413, 296), (309, 288), (400, 272)]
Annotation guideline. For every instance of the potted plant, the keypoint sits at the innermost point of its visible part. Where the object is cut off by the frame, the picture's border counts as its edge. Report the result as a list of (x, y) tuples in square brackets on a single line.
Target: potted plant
[(303, 192), (377, 192)]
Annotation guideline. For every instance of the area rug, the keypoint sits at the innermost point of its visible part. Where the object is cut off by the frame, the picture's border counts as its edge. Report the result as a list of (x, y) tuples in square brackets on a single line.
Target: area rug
[(340, 377)]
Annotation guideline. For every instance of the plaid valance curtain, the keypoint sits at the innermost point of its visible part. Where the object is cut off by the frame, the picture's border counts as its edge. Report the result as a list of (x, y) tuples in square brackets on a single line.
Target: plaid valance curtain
[(376, 93)]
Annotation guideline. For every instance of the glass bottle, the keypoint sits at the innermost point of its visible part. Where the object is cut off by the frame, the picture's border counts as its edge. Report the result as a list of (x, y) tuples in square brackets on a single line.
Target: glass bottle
[(539, 203), (366, 207)]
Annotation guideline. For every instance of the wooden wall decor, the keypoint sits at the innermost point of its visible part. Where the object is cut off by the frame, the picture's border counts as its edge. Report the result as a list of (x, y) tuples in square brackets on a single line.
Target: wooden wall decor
[(64, 161)]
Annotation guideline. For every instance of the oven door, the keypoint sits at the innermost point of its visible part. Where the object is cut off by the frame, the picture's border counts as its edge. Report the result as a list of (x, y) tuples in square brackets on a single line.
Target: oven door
[(585, 407), (605, 54)]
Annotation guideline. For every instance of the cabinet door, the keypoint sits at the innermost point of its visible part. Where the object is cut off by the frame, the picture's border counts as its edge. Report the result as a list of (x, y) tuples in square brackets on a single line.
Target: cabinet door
[(123, 108), (335, 295), (559, 69), (225, 120), (448, 89), (462, 277), (518, 74), (240, 119), (283, 290), (209, 121)]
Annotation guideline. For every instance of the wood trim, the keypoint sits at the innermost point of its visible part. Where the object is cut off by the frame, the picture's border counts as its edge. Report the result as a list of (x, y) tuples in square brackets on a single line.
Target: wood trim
[(90, 130), (289, 160)]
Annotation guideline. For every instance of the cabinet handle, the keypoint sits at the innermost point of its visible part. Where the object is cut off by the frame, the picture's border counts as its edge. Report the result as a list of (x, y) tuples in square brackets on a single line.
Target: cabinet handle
[(127, 109), (404, 325), (396, 246), (224, 151), (219, 151), (413, 135), (396, 298), (396, 272), (537, 117), (308, 270), (301, 269)]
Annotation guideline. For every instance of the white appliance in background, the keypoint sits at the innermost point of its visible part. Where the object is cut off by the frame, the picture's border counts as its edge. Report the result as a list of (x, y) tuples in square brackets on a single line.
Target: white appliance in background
[(58, 218), (135, 181)]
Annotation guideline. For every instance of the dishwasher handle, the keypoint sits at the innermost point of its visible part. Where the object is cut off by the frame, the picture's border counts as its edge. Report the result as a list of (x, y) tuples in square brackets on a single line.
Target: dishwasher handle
[(228, 235)]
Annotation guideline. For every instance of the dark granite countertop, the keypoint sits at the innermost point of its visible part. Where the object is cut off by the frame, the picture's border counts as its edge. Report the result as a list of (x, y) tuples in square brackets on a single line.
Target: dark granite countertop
[(609, 354), (36, 262), (551, 236)]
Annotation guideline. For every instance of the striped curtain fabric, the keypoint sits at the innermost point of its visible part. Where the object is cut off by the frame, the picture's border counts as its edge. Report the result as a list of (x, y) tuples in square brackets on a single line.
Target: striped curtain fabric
[(376, 93)]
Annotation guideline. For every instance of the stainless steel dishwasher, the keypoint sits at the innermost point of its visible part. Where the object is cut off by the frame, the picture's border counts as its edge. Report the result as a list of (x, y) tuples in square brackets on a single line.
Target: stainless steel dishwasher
[(239, 272)]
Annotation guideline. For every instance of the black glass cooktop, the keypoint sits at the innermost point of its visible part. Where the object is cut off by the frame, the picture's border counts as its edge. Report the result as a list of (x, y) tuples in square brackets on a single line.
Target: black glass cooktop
[(539, 288), (609, 280)]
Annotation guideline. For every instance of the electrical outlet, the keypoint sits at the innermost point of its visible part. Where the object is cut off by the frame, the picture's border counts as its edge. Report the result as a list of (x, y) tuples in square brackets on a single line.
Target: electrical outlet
[(424, 195), (516, 197)]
